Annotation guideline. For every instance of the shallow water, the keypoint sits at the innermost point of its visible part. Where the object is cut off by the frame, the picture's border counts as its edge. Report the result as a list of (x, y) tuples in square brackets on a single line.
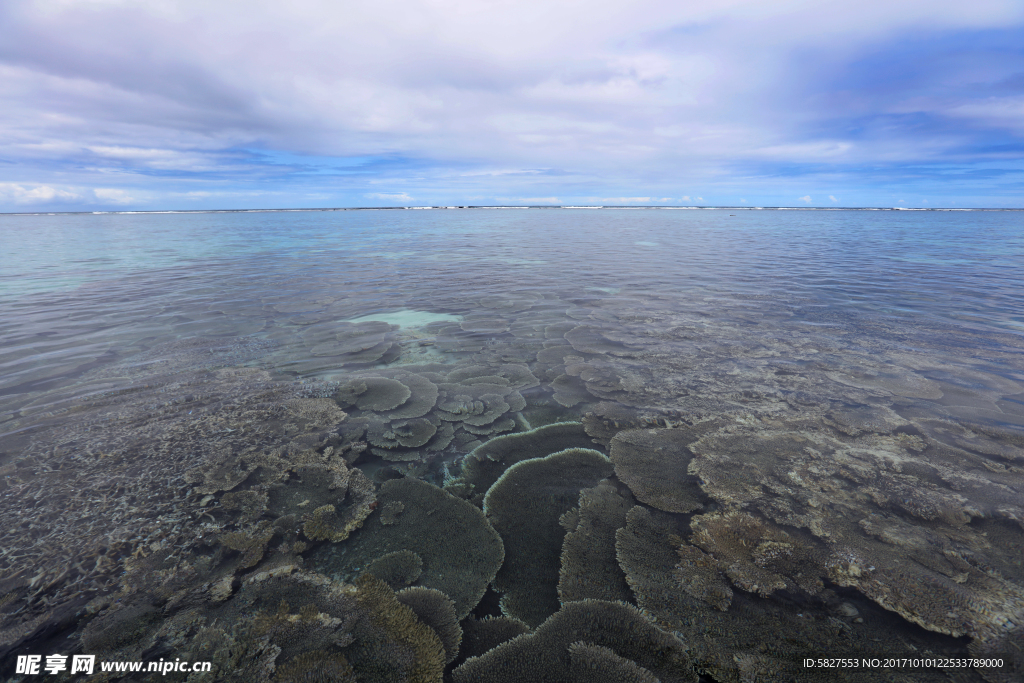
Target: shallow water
[(847, 387)]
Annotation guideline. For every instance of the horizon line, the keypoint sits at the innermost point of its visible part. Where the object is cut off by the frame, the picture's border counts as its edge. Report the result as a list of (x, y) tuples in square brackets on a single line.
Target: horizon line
[(508, 206)]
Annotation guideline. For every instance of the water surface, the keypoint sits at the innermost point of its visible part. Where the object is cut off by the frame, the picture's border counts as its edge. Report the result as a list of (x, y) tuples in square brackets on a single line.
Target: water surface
[(814, 420)]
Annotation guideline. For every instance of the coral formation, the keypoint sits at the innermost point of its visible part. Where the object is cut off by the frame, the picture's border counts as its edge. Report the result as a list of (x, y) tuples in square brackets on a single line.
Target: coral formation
[(524, 506), (596, 664), (544, 655), (375, 393), (588, 565), (653, 462), (479, 636), (389, 512), (388, 628), (460, 550), (436, 610), (486, 463), (351, 343), (316, 667), (802, 489), (397, 569)]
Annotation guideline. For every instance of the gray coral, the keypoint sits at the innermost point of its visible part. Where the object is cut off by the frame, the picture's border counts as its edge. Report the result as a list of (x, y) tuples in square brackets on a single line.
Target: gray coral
[(460, 550), (588, 565), (653, 463), (546, 656), (524, 505)]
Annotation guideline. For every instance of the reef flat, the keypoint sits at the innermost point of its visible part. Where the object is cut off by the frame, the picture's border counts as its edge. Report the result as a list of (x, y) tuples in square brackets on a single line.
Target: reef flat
[(557, 483)]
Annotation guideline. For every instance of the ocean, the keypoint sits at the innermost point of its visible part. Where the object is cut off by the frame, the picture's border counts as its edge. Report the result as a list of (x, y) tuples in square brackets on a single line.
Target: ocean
[(394, 445)]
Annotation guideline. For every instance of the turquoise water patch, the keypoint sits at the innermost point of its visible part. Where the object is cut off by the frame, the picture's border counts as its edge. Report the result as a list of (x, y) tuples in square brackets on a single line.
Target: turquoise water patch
[(409, 318), (646, 244)]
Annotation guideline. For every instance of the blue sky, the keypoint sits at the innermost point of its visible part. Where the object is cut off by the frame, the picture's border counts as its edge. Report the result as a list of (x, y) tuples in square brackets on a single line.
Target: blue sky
[(188, 104)]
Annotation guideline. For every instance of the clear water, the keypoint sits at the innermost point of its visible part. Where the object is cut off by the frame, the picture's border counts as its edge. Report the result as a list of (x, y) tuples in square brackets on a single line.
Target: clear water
[(785, 319)]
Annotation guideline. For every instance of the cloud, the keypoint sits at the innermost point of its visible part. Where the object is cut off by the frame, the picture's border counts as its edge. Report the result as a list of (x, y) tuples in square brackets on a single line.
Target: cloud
[(112, 195), (529, 200), (35, 194), (806, 198), (401, 197), (832, 199), (454, 99)]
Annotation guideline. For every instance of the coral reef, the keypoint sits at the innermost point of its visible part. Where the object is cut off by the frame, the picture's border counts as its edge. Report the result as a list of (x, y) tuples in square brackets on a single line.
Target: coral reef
[(486, 463), (524, 506), (415, 412), (397, 569), (460, 550), (818, 482), (597, 664), (479, 636), (588, 565), (773, 491), (545, 655), (389, 625), (133, 471), (437, 611), (653, 462), (316, 667), (350, 343), (732, 634)]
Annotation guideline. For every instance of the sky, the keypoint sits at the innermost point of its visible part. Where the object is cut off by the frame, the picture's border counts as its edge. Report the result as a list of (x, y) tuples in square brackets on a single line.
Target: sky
[(193, 104)]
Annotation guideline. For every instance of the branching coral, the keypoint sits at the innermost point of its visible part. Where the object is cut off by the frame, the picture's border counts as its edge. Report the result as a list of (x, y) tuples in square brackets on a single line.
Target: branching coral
[(326, 523)]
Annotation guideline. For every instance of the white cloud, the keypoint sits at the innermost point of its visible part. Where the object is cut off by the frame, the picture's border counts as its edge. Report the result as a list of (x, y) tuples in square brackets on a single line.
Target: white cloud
[(623, 90), (400, 197), (805, 151), (1004, 112), (474, 174), (34, 194), (112, 195), (832, 199), (806, 198)]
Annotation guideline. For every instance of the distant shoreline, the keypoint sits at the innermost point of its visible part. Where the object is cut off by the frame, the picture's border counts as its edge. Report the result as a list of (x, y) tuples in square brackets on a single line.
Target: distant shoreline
[(567, 206)]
